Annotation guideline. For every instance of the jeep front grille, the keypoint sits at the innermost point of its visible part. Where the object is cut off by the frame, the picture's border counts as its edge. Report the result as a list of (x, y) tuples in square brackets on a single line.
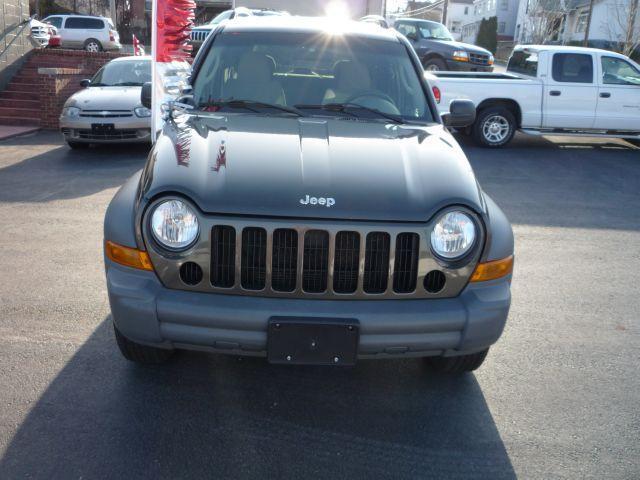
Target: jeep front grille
[(313, 259)]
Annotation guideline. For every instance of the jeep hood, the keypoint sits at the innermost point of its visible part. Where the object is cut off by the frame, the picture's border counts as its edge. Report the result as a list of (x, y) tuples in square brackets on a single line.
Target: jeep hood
[(242, 164)]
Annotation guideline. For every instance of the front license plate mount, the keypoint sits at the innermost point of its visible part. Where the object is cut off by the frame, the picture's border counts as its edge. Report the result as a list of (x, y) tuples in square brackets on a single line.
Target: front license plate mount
[(312, 341)]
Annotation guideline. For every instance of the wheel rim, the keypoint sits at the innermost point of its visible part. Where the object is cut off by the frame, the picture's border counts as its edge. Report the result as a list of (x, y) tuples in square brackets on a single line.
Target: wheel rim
[(495, 128), (92, 47), (432, 68)]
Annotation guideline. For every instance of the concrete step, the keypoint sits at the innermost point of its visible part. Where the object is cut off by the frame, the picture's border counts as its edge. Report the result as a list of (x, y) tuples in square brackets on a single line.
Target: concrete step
[(22, 121)]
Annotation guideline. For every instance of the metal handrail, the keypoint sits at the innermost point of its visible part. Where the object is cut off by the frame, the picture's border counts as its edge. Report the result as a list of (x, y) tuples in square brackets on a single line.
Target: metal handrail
[(22, 27)]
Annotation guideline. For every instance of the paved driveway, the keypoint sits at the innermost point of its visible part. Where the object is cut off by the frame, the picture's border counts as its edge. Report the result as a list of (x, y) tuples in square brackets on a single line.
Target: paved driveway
[(558, 396)]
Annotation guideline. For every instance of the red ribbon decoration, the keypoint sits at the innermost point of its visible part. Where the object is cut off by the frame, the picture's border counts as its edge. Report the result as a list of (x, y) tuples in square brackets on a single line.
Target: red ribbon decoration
[(174, 19)]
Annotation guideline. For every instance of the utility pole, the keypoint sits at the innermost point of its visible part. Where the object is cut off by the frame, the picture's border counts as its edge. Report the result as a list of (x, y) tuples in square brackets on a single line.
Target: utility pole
[(112, 12), (585, 43), (444, 12)]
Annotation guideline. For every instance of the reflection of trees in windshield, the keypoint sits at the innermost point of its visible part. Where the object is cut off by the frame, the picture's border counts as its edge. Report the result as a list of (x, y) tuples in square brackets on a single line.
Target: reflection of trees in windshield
[(123, 74), (434, 30)]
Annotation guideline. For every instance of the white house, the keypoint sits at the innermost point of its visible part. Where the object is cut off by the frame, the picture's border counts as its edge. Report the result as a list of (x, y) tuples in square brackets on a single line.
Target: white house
[(505, 10), (565, 22), (459, 13)]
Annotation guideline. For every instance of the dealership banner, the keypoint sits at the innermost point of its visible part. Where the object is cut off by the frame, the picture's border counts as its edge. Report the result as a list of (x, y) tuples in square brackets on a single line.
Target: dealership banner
[(172, 21)]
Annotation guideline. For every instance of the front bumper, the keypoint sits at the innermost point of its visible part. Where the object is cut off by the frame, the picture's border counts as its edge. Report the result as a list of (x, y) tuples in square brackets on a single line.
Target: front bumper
[(146, 312), (453, 65), (126, 130)]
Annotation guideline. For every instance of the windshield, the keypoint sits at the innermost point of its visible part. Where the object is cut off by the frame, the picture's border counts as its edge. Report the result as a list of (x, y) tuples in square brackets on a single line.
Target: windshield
[(434, 30), (127, 73), (313, 73)]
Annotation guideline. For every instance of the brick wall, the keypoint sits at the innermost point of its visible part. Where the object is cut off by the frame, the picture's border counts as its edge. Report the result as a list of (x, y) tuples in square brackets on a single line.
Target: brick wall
[(14, 41), (60, 72)]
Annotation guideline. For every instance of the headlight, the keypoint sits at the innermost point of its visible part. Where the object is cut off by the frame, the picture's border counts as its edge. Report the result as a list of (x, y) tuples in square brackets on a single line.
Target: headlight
[(174, 224), (453, 235), (461, 56), (71, 112), (491, 59), (142, 112)]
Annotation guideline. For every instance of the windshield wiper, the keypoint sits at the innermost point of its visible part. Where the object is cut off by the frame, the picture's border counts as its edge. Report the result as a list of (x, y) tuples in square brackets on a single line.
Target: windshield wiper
[(349, 107), (126, 84), (251, 105)]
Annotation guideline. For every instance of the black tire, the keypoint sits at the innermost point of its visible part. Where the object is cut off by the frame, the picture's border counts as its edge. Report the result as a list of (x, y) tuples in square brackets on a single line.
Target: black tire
[(461, 364), (135, 352), (78, 145), (92, 45), (494, 127), (633, 142), (434, 65)]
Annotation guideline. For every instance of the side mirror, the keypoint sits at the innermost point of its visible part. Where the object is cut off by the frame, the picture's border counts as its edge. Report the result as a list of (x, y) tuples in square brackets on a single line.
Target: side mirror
[(145, 95), (462, 113), (85, 83)]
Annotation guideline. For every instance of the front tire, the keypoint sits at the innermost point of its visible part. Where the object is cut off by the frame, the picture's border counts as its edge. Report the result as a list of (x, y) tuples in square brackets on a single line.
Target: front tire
[(494, 127), (78, 145), (435, 65), (93, 45), (460, 364), (135, 352)]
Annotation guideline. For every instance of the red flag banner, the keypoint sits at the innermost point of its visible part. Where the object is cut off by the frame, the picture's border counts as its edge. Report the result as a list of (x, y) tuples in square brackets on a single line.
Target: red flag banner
[(174, 20)]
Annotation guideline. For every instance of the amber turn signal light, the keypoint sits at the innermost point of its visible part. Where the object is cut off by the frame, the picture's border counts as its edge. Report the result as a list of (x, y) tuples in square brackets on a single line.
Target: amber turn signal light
[(129, 257), (493, 270)]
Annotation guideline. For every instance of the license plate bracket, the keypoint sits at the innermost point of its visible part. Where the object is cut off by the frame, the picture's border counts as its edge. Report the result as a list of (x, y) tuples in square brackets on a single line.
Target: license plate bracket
[(102, 128), (312, 341)]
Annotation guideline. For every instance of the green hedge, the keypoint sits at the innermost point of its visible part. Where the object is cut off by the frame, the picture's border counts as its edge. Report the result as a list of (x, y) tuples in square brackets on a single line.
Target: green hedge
[(488, 34)]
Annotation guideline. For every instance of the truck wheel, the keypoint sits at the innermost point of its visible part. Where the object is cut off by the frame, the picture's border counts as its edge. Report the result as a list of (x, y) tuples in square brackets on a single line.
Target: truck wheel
[(494, 127), (434, 65), (93, 45), (461, 364), (138, 353)]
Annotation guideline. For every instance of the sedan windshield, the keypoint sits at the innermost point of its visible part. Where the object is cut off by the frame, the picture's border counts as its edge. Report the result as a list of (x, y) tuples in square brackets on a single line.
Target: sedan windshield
[(123, 74), (313, 75), (434, 31)]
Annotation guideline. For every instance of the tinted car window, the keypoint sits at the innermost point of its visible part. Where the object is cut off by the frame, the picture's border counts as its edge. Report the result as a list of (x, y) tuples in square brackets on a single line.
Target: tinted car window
[(84, 23), (55, 21), (523, 62), (572, 68), (616, 71), (294, 68), (407, 29)]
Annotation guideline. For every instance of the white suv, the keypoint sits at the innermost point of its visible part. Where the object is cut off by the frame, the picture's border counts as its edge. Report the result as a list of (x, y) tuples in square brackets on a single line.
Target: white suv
[(90, 33)]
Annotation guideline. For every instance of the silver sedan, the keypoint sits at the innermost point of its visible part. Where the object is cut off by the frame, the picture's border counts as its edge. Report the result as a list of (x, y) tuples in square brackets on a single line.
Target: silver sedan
[(108, 109)]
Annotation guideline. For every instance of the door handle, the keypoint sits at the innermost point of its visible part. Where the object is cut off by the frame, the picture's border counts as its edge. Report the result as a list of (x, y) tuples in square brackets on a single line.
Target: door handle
[(555, 93), (605, 94)]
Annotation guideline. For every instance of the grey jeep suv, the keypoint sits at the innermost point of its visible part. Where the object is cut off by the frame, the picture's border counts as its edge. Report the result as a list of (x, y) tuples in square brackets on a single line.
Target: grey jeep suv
[(439, 51), (305, 203)]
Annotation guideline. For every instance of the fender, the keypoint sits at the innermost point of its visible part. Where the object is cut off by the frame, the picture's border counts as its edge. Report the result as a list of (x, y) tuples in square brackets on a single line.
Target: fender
[(500, 243), (119, 221)]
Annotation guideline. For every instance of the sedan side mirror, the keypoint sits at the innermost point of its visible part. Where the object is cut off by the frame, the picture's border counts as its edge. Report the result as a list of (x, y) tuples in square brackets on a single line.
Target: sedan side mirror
[(145, 95), (85, 83), (462, 113)]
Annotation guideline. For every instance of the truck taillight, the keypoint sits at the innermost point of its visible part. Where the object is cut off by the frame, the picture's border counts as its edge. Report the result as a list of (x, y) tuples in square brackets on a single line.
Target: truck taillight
[(436, 93)]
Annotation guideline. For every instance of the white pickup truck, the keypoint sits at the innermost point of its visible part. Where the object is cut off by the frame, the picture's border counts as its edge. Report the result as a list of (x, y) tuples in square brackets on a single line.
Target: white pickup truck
[(549, 90)]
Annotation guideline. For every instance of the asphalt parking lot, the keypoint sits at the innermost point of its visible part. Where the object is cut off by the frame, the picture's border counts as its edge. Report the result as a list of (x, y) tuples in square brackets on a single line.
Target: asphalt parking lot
[(558, 396)]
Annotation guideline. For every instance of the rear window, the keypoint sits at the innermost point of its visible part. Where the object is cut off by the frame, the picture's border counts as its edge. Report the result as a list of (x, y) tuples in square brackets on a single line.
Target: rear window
[(572, 68), (525, 63), (84, 23)]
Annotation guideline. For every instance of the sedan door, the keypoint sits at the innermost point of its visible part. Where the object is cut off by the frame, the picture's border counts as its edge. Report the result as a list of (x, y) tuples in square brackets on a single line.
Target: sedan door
[(570, 94), (619, 95)]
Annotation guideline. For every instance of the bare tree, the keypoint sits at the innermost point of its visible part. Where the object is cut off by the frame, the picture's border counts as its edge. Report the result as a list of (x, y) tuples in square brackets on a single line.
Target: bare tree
[(623, 25), (543, 21)]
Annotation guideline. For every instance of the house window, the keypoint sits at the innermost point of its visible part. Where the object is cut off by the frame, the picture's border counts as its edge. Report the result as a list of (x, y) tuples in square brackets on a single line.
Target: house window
[(466, 10), (502, 26), (455, 27), (581, 24), (504, 4)]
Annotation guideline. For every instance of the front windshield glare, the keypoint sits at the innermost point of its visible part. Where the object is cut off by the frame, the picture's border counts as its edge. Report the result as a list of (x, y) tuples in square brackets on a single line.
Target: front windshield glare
[(311, 72), (434, 30), (129, 73)]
